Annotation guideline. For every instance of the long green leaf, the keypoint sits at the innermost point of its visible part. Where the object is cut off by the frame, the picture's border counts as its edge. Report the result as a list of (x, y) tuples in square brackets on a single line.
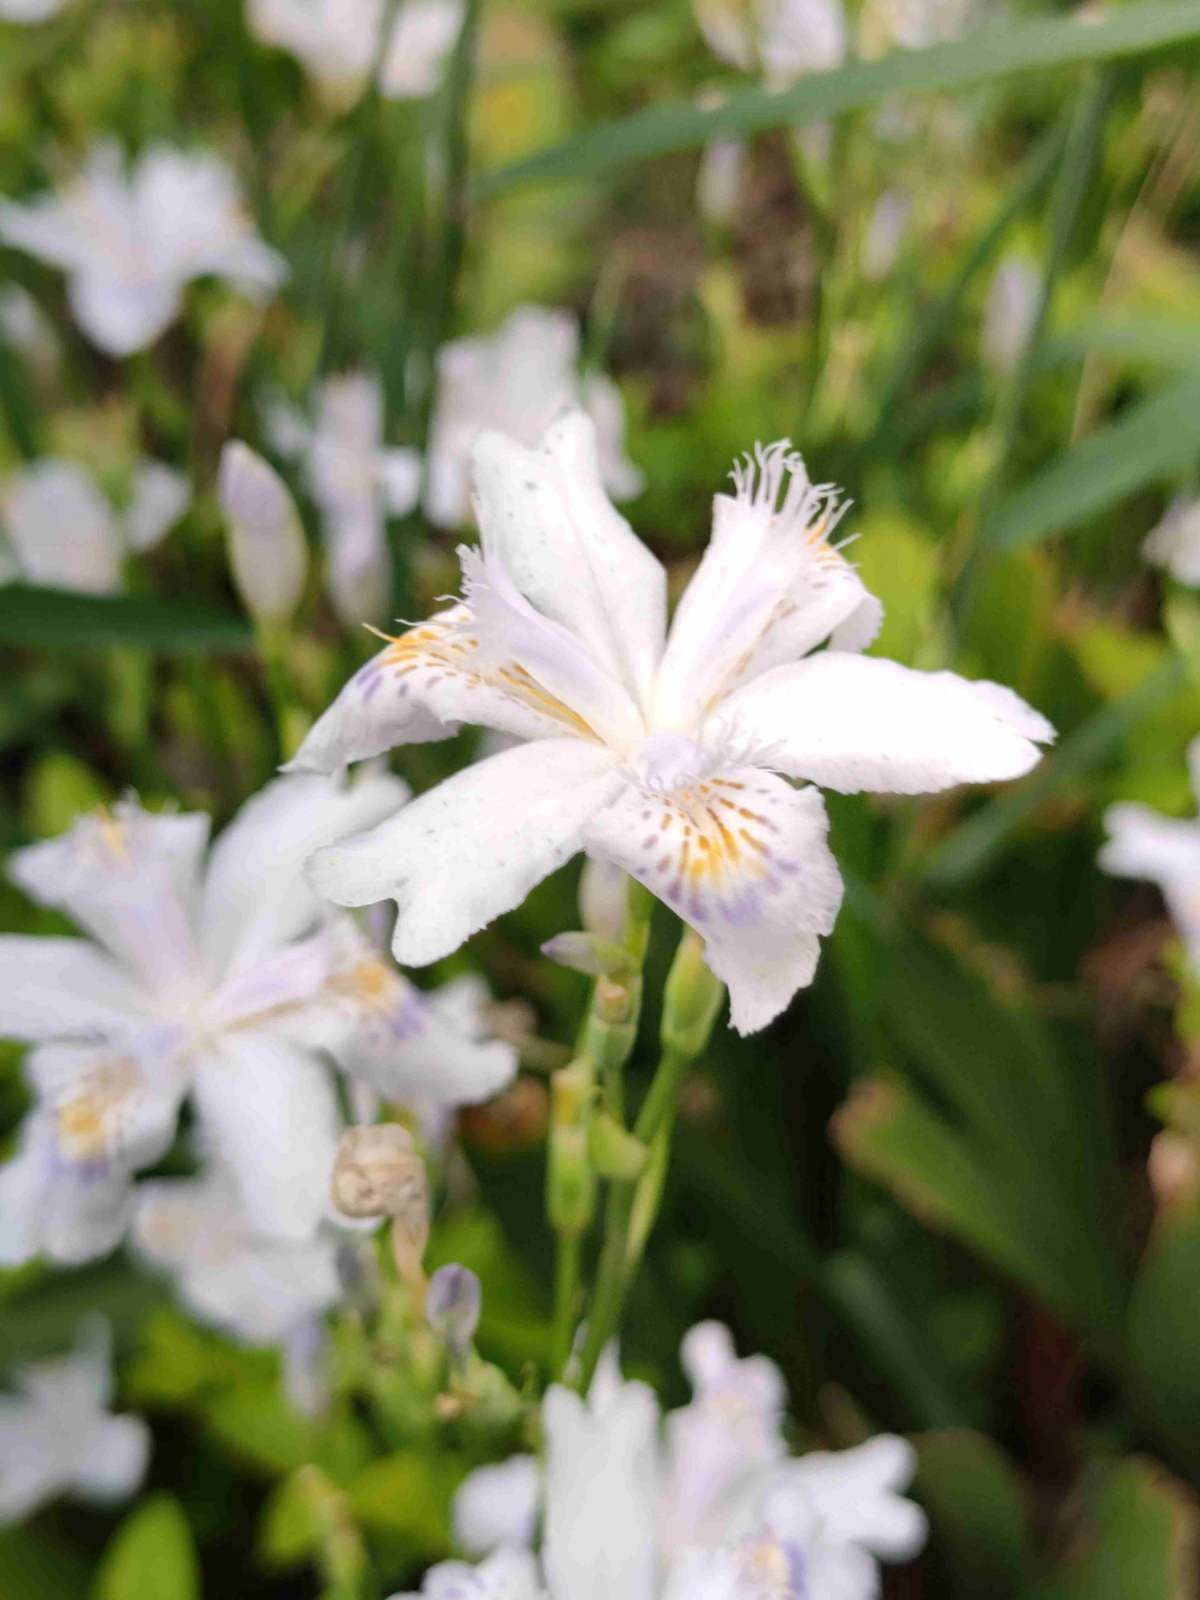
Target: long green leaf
[(986, 55), (1157, 438), (151, 1553), (54, 619)]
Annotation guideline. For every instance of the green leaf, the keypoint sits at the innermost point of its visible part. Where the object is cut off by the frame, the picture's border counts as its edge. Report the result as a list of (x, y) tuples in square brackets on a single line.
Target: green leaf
[(406, 1494), (1157, 438), (1164, 1353), (1138, 1541), (151, 1553), (986, 55), (55, 619), (35, 1564), (977, 1506)]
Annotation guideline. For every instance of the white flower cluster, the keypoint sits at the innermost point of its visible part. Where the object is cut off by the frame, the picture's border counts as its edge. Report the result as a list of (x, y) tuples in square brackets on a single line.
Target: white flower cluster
[(706, 1505)]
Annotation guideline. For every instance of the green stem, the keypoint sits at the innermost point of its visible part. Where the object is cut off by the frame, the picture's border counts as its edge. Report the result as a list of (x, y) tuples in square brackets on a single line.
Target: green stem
[(691, 1000), (566, 1298)]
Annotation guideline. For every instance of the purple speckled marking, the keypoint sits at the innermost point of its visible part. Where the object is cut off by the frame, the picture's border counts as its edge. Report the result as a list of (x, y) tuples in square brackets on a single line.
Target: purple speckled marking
[(410, 1017), (370, 689)]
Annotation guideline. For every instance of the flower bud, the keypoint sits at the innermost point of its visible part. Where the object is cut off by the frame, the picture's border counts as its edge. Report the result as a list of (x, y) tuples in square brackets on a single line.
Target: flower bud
[(378, 1173), (603, 899), (452, 1307), (692, 997), (267, 554), (590, 954)]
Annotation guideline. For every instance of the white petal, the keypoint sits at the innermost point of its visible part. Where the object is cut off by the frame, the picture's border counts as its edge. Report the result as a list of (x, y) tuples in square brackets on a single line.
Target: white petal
[(857, 722), (62, 528), (400, 477), (114, 1106), (270, 1114), (257, 1288), (119, 1451), (1143, 843), (472, 848), (1174, 542), (498, 1505), (255, 898), (544, 514), (769, 588), (57, 1209), (121, 316), (400, 1044), (856, 1494), (599, 1535), (160, 497), (129, 877), (423, 687), (742, 858), (360, 568), (45, 228), (63, 988), (421, 40)]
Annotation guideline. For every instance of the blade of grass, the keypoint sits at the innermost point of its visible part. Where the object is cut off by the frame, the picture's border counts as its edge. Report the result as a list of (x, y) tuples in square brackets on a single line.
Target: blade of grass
[(1156, 438), (933, 326), (986, 55), (54, 619)]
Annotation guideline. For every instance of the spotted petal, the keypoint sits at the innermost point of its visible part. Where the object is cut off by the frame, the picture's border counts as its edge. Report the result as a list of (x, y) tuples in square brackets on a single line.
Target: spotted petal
[(740, 856), (856, 722), (474, 846), (424, 686)]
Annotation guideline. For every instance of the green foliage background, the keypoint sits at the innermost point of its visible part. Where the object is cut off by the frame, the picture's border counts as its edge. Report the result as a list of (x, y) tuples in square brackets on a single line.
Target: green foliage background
[(924, 1192)]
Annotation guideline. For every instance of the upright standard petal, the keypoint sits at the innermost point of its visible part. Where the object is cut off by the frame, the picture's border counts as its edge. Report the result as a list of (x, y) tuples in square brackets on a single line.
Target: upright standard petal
[(255, 898), (472, 848), (856, 722), (770, 588), (270, 1115), (545, 516), (64, 988), (742, 857)]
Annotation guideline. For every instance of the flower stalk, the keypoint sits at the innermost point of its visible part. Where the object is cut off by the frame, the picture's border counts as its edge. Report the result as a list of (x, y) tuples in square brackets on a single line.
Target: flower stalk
[(692, 998)]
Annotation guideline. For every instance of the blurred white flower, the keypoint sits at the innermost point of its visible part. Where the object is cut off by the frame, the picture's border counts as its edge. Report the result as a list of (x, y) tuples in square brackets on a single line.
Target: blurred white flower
[(57, 1435), (885, 233), (1175, 542), (517, 380), (782, 39), (507, 1575), (1011, 309), (1165, 851), (258, 1288), (130, 241), (267, 553), (26, 328), (628, 1513), (64, 534), (918, 24), (338, 41), (224, 981), (721, 179), (30, 10), (498, 1505), (666, 755), (356, 481)]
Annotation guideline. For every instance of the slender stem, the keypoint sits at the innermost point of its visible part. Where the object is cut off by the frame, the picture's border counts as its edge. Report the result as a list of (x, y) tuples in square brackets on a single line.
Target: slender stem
[(566, 1297)]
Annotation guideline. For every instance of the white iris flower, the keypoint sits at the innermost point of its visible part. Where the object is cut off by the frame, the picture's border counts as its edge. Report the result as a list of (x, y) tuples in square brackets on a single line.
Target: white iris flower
[(223, 980), (669, 755)]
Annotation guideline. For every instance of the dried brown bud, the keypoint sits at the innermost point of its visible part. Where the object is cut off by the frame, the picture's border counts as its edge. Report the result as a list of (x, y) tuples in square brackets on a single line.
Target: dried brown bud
[(378, 1173)]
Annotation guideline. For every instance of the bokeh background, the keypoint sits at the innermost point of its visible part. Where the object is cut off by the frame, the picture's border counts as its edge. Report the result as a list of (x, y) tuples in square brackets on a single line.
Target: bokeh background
[(974, 301)]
